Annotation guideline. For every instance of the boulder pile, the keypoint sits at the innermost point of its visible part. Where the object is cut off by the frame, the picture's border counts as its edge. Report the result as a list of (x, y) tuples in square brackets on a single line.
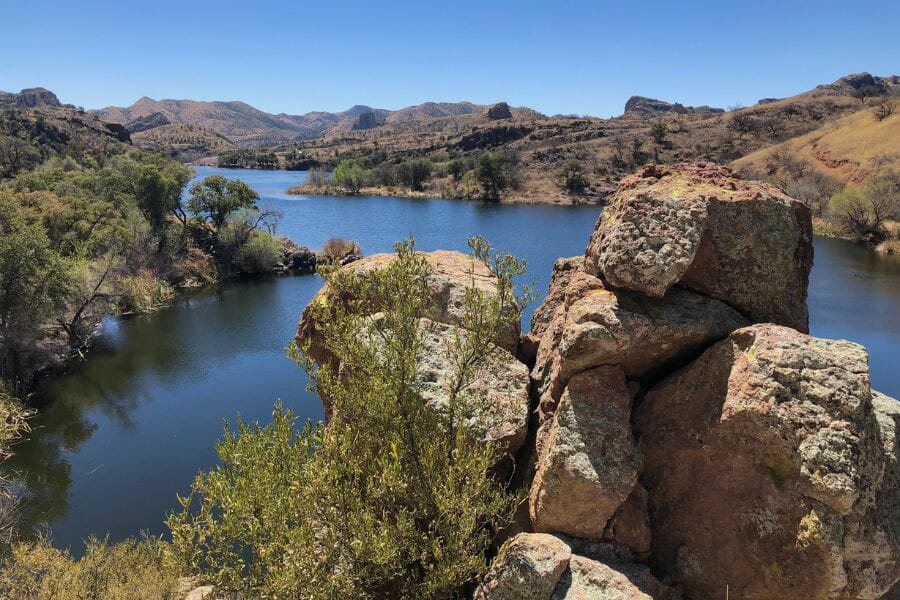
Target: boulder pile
[(688, 438)]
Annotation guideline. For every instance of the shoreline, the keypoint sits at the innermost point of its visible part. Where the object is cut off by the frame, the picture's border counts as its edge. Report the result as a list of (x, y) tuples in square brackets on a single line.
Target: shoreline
[(309, 190), (58, 356)]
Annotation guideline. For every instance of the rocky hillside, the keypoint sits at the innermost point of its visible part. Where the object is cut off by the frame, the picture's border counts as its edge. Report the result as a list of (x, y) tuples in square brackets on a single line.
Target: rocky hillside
[(29, 98), (247, 126), (187, 143), (34, 126), (604, 149), (685, 437)]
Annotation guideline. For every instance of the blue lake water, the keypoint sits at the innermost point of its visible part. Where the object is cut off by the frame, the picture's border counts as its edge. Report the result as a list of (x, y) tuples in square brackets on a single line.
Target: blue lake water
[(125, 431)]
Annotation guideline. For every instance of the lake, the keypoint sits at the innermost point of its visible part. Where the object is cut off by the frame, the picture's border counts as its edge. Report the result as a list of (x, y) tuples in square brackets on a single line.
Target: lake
[(124, 432)]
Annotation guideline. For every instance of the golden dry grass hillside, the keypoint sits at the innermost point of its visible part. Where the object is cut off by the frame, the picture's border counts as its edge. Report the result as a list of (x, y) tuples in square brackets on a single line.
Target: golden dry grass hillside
[(853, 149)]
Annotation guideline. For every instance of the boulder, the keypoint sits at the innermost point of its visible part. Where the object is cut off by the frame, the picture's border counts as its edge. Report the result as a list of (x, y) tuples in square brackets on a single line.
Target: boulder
[(564, 269), (499, 111), (299, 259), (594, 326), (588, 463), (494, 403), (528, 567), (34, 97), (536, 566), (451, 274), (765, 465), (588, 579), (742, 242), (630, 526)]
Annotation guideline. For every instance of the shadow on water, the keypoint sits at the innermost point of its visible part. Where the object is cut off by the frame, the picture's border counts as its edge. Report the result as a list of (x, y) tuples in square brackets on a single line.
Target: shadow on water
[(121, 434)]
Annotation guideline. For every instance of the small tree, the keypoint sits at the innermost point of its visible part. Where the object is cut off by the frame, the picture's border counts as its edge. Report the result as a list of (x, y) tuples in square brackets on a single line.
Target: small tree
[(862, 210), (413, 173), (318, 178), (459, 167), (352, 176), (573, 178), (885, 108), (498, 171), (217, 198)]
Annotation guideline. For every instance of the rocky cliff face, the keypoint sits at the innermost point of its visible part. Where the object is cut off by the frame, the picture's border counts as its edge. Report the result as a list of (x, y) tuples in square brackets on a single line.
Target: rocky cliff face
[(688, 439), (641, 107)]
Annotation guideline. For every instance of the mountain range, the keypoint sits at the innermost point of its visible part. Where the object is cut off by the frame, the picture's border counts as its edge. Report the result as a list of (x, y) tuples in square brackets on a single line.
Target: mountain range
[(247, 126)]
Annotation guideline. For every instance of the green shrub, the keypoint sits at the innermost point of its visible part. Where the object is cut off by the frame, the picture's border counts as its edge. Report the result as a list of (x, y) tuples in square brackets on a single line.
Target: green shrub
[(351, 176), (393, 499), (573, 178), (259, 254), (413, 173), (126, 571), (498, 171)]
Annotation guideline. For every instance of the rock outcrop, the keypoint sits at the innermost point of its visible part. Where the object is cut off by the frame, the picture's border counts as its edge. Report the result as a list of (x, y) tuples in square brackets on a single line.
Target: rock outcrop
[(34, 97), (589, 461), (148, 122), (367, 120), (591, 325), (499, 111), (451, 274), (742, 242), (534, 566), (687, 422), (641, 107), (690, 439), (764, 465)]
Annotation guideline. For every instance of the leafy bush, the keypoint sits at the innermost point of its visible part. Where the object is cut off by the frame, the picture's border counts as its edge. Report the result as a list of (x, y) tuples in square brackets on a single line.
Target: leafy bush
[(126, 571), (393, 499), (259, 254), (498, 171), (413, 173), (352, 176), (573, 178)]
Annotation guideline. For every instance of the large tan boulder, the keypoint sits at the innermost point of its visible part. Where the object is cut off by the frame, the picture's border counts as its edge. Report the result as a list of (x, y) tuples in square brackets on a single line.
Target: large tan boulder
[(588, 464), (589, 579), (451, 274), (745, 243), (528, 567), (536, 566), (593, 326), (765, 465)]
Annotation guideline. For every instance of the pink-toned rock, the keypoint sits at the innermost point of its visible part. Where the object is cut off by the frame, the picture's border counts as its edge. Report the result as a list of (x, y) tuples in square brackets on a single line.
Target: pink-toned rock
[(745, 243), (766, 471), (630, 526), (588, 463), (593, 326)]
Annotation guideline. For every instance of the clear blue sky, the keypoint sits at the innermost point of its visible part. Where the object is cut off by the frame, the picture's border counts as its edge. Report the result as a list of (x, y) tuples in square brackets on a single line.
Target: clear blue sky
[(558, 57)]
